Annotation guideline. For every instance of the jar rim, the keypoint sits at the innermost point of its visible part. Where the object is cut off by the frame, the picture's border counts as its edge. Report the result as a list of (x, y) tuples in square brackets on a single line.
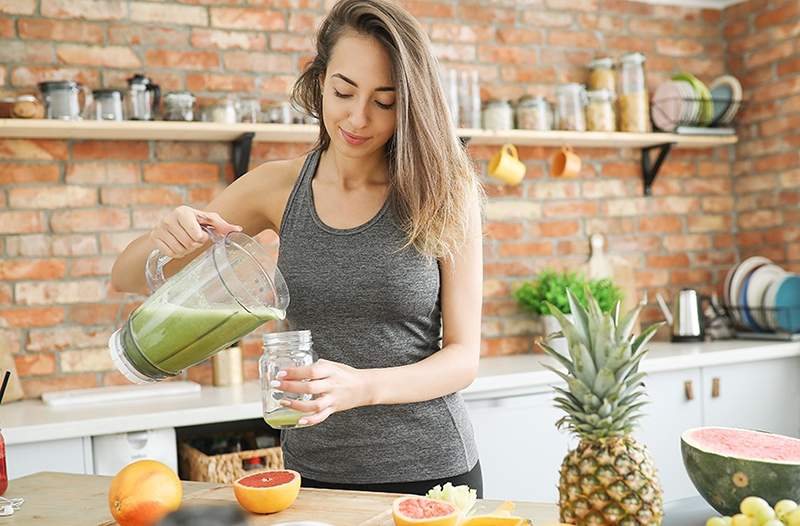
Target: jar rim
[(636, 57), (272, 338), (602, 62), (602, 94)]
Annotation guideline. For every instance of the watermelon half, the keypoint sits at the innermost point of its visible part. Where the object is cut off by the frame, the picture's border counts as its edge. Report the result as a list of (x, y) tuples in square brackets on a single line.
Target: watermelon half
[(726, 465)]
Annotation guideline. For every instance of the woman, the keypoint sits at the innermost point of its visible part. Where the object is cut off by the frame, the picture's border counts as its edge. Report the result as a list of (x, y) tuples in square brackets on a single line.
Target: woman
[(381, 249)]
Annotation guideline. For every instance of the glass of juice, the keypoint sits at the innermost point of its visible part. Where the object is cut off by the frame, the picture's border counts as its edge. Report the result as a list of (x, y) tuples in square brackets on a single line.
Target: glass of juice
[(283, 350)]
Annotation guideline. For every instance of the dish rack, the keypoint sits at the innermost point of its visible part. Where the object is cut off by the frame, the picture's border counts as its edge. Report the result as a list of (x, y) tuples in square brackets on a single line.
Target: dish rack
[(722, 124), (764, 323)]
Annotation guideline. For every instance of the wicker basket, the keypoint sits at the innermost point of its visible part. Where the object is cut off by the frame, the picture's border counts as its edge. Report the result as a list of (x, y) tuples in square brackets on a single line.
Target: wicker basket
[(224, 468)]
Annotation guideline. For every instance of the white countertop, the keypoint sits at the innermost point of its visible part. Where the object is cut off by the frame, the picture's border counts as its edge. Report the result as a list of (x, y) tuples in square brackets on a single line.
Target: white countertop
[(33, 421)]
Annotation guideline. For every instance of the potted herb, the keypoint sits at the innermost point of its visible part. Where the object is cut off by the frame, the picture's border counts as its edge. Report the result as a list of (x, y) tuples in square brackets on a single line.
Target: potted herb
[(550, 286)]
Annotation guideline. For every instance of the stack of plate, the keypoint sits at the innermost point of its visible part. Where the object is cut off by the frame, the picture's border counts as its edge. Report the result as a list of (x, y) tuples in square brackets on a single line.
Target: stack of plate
[(762, 296), (686, 101)]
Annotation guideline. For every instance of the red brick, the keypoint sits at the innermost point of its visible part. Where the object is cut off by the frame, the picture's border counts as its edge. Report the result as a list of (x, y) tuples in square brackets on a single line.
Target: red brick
[(258, 62), (651, 278), (770, 54), (759, 219), (65, 196), (21, 222), (284, 42), (789, 67), (203, 195), (444, 32), (96, 220), (570, 209), (605, 188), (162, 58), (559, 228), (140, 196), (455, 52), (540, 18), (215, 38), (690, 277), (543, 190), (576, 5), (605, 23), (88, 9), (424, 9), (503, 231), (669, 261), (507, 269), (34, 269), (32, 317), (48, 292), (32, 149), (116, 243), (102, 173), (216, 82), (18, 7), (506, 54), (621, 170), (777, 162), (29, 76), (160, 13), (104, 56), (678, 47), (528, 74), (66, 338), (11, 173), (124, 150), (303, 22), (68, 30), (708, 223), (182, 173), (718, 204), (35, 364), (35, 387), (87, 267), (505, 346), (681, 243), (251, 19), (277, 84), (776, 16), (734, 28), (667, 224), (573, 39), (147, 35), (93, 314), (544, 248)]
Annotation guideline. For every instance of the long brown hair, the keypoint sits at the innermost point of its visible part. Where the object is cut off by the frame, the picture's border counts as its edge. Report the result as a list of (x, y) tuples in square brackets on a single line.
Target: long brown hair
[(433, 181)]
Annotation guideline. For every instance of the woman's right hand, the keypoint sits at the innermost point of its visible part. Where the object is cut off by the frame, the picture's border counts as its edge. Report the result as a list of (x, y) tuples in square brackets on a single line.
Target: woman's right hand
[(179, 233)]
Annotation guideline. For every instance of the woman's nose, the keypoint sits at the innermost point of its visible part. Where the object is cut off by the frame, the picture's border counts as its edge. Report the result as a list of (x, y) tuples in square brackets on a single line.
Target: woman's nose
[(358, 116)]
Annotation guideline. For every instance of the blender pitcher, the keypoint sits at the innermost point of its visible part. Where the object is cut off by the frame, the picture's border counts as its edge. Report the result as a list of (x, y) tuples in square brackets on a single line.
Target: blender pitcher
[(222, 295)]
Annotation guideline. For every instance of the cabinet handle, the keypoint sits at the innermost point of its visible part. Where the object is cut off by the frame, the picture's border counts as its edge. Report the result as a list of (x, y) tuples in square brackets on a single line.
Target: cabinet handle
[(715, 388), (688, 388)]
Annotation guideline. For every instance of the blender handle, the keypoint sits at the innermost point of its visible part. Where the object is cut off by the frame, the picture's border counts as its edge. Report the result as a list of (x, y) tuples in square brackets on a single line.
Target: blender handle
[(154, 267)]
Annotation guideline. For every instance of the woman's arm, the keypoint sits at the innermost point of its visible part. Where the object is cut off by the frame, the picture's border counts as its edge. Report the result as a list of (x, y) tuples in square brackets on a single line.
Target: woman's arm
[(340, 387), (253, 202)]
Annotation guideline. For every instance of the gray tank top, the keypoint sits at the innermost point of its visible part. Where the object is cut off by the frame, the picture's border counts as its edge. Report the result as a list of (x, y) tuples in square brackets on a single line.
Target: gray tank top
[(368, 306)]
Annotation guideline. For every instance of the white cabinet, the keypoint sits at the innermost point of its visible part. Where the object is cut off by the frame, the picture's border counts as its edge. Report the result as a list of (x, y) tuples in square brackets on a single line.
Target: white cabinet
[(69, 455), (520, 448), (756, 395), (675, 406)]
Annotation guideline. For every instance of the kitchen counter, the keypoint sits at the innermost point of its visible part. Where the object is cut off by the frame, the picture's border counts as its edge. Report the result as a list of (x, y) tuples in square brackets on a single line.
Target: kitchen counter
[(32, 421), (71, 500)]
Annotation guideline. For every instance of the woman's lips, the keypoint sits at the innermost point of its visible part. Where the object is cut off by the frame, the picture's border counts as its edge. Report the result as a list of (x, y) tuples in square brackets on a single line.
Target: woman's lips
[(355, 140)]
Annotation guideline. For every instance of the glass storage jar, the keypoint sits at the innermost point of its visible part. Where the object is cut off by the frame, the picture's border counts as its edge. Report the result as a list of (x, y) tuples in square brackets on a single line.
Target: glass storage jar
[(570, 103), (533, 113), (179, 106), (600, 114), (283, 350), (634, 105), (601, 74), (498, 115)]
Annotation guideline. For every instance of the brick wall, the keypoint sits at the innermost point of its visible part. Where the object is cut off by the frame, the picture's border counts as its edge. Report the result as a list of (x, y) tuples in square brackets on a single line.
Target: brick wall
[(68, 207), (762, 45)]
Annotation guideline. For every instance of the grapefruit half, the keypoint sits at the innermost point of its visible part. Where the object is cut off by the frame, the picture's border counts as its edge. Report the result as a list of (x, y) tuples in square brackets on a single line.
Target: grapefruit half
[(422, 511), (268, 491)]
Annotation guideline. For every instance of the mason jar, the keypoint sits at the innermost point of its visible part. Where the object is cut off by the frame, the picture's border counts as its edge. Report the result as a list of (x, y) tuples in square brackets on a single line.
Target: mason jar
[(179, 106), (600, 111), (498, 115), (601, 74), (532, 113), (570, 103), (634, 104), (283, 350)]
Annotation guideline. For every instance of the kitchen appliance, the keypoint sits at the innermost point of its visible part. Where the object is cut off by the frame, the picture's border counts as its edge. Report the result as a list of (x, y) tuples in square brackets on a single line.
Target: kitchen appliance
[(61, 99), (143, 98), (686, 317), (226, 292), (107, 105)]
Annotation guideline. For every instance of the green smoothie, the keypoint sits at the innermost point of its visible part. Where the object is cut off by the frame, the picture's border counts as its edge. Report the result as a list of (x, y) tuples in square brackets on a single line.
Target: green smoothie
[(284, 418), (173, 337)]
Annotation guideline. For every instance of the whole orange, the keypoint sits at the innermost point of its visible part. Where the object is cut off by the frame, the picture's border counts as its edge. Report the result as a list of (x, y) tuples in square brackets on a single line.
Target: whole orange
[(143, 492)]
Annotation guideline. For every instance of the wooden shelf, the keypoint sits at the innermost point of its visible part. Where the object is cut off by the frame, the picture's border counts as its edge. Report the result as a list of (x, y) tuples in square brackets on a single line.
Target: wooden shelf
[(210, 131)]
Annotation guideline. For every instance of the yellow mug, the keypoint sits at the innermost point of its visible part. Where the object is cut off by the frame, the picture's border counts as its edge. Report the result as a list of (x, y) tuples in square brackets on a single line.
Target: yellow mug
[(566, 163), (506, 166)]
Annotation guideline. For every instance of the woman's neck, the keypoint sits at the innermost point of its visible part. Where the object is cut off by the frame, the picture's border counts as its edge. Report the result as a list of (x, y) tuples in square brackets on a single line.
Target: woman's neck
[(354, 172)]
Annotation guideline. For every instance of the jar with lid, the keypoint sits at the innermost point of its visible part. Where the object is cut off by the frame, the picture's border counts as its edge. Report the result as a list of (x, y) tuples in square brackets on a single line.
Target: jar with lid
[(283, 350), (533, 113), (498, 115), (634, 105), (179, 106), (570, 103), (601, 74), (600, 114)]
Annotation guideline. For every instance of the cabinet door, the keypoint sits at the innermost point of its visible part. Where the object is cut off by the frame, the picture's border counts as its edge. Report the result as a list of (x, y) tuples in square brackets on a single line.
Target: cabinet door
[(69, 455), (520, 448), (754, 395), (675, 405)]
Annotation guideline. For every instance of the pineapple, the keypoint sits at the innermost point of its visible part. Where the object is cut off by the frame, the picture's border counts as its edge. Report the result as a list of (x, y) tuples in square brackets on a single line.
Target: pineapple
[(609, 479)]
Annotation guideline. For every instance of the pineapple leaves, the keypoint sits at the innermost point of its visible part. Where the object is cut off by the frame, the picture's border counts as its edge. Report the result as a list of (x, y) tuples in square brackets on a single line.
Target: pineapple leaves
[(625, 329), (563, 360), (581, 318), (604, 382), (645, 336)]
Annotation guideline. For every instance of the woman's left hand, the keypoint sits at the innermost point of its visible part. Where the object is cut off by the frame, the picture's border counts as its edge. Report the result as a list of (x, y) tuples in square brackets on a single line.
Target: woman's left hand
[(335, 386)]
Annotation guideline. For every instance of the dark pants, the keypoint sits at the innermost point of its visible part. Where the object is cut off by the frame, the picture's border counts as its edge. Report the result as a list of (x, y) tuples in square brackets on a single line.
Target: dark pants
[(472, 478)]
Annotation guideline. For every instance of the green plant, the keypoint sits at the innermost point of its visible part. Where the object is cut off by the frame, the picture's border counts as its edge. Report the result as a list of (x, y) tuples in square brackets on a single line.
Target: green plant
[(551, 286)]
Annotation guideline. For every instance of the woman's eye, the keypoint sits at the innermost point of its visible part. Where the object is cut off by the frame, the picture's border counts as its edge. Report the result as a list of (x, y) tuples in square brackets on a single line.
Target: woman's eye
[(384, 106), (341, 95)]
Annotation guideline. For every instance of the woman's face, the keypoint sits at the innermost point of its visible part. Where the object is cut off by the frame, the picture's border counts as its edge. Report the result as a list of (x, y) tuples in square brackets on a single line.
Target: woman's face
[(358, 96)]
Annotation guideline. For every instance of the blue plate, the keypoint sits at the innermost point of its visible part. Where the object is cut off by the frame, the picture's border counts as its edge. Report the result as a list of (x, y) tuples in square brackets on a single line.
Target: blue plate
[(787, 304), (746, 314)]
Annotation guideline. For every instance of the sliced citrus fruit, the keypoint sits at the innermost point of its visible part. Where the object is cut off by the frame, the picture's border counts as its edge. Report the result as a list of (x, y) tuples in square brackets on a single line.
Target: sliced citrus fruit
[(268, 491), (494, 520), (419, 511)]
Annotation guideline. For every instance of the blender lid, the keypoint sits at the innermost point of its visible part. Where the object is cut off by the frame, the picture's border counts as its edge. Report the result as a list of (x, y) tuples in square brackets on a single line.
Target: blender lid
[(139, 79), (106, 92), (57, 84)]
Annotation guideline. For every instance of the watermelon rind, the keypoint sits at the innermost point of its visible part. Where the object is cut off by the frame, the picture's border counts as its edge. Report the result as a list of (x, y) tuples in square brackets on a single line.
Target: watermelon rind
[(725, 480)]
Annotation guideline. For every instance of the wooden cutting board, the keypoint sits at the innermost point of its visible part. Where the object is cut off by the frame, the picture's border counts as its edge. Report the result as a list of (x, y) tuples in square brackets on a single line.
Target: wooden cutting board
[(81, 500)]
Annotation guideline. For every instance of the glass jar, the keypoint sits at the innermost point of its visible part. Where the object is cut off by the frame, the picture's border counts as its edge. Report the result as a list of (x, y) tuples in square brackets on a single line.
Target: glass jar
[(107, 105), (498, 115), (532, 113), (3, 471), (570, 103), (634, 105), (179, 106), (283, 350), (600, 111), (222, 112), (601, 74)]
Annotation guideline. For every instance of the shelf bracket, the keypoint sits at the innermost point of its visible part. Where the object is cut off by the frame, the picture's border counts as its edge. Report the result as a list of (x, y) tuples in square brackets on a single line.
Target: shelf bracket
[(464, 140), (650, 171), (240, 157)]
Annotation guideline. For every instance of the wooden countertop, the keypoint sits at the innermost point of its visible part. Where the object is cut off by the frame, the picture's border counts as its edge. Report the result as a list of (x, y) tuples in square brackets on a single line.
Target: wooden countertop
[(71, 500)]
